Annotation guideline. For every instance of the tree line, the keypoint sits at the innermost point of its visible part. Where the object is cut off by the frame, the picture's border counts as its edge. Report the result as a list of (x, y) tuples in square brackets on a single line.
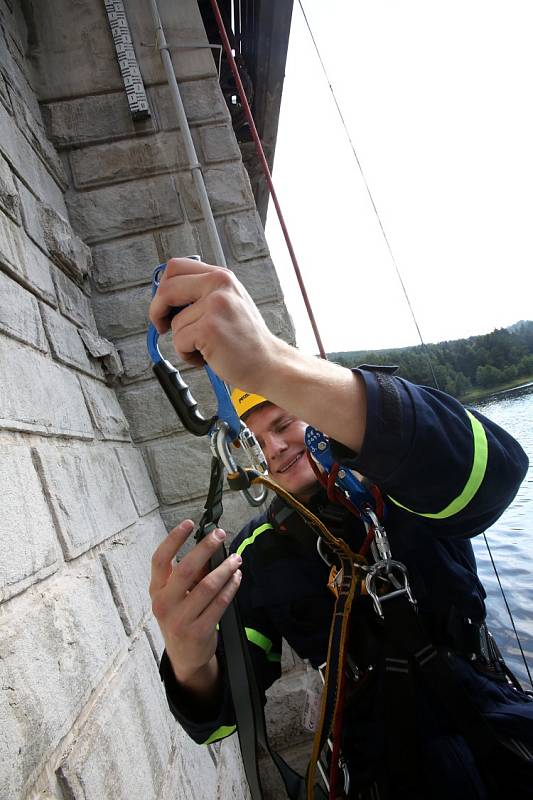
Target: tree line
[(460, 366)]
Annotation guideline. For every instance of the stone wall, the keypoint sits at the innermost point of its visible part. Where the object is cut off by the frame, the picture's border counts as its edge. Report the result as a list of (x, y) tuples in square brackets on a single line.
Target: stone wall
[(95, 465)]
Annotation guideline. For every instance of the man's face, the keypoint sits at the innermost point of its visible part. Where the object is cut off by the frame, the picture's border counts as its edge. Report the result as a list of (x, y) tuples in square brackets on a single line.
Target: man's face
[(281, 438)]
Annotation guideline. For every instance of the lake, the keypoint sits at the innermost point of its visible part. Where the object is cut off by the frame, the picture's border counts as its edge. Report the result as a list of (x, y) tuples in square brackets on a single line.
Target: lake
[(510, 540)]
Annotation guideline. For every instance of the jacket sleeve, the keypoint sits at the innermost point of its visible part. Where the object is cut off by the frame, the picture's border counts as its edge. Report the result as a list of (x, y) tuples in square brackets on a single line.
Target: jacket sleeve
[(207, 725), (434, 459)]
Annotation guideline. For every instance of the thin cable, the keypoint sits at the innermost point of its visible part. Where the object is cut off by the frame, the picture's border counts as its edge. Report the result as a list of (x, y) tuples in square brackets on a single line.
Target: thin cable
[(266, 170), (508, 611), (406, 297), (376, 212)]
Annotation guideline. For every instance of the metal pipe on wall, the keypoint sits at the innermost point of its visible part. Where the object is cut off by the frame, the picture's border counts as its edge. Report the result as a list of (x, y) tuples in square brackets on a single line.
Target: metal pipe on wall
[(183, 122)]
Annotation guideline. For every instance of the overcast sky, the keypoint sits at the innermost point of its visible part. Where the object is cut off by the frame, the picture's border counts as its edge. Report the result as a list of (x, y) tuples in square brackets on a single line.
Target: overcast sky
[(438, 99)]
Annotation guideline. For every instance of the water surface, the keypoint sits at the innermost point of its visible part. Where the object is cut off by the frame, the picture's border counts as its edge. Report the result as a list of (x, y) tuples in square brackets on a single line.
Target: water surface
[(510, 540)]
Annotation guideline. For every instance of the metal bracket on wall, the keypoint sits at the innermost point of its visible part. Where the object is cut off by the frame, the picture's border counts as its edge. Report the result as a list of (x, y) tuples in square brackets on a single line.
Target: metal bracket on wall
[(129, 67)]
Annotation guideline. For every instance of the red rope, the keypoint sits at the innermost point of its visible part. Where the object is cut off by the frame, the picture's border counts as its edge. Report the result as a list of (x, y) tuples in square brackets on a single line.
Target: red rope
[(266, 170)]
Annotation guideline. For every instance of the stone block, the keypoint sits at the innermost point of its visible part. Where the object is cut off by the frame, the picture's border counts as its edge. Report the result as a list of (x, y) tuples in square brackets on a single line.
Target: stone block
[(87, 493), (231, 780), (180, 467), (245, 235), (127, 562), (26, 163), (14, 69), (138, 479), (54, 651), (128, 159), (65, 342), (217, 143), (183, 25), (19, 314), (180, 241), (106, 413), (105, 351), (260, 279), (4, 94), (135, 358), (203, 102), (38, 395), (125, 208), (12, 255), (284, 710), (155, 638), (127, 262), (60, 72), (228, 189), (29, 544), (278, 321), (192, 773), (37, 272), (33, 130), (9, 198), (30, 214), (65, 248), (148, 411), (91, 119), (123, 750), (123, 312), (73, 302), (24, 261)]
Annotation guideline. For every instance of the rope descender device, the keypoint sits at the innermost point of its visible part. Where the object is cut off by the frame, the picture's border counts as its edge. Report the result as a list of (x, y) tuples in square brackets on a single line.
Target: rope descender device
[(384, 568), (224, 428)]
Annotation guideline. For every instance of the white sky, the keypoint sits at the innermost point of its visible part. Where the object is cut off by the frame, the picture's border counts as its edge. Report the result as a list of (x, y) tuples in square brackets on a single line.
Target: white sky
[(438, 99)]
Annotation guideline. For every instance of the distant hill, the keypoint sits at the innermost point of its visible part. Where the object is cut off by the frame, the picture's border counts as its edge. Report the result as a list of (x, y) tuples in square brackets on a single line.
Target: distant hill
[(461, 366)]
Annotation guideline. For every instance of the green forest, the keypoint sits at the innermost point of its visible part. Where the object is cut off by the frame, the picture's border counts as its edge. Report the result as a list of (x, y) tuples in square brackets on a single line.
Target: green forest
[(465, 368)]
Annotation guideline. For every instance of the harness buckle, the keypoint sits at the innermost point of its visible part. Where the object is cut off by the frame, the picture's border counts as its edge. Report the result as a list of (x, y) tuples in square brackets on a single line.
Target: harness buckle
[(386, 570)]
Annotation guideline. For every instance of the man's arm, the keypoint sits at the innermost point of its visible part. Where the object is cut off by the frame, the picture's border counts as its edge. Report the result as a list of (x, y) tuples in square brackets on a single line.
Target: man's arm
[(222, 326)]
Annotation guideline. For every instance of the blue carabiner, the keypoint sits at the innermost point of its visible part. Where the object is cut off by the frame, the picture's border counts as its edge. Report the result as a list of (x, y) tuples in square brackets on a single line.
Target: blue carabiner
[(177, 390), (319, 446)]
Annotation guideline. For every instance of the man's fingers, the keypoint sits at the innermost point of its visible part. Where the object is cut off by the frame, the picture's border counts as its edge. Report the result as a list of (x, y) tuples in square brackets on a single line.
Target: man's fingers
[(183, 282), (209, 587), (191, 567), (213, 612), (162, 557)]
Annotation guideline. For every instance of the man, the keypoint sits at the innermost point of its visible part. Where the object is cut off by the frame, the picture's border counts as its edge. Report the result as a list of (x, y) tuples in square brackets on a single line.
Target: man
[(446, 475)]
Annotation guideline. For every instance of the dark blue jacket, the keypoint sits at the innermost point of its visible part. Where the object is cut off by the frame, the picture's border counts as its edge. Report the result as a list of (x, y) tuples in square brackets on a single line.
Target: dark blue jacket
[(446, 474)]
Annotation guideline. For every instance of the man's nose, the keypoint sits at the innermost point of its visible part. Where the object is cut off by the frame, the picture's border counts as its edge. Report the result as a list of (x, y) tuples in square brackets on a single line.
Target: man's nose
[(274, 445)]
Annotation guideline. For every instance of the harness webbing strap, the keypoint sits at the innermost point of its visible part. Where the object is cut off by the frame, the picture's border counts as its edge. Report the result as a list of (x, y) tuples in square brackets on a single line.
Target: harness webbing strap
[(247, 702), (350, 586)]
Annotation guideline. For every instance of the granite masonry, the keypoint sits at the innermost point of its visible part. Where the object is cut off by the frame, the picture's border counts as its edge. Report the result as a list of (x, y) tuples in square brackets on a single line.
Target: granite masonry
[(94, 465)]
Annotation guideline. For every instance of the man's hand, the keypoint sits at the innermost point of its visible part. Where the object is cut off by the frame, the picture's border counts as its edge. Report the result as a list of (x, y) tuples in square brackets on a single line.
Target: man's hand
[(188, 602), (220, 325)]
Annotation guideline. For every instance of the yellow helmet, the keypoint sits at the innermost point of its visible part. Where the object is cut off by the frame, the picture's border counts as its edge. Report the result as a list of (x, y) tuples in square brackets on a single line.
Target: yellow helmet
[(245, 402)]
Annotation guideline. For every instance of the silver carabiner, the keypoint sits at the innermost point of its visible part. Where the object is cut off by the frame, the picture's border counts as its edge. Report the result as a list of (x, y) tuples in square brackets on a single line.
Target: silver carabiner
[(385, 569), (220, 448)]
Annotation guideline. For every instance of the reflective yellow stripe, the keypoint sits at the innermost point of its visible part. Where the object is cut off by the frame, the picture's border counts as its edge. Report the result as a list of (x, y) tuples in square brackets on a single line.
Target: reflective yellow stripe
[(261, 641), (221, 733), (477, 473), (251, 539)]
